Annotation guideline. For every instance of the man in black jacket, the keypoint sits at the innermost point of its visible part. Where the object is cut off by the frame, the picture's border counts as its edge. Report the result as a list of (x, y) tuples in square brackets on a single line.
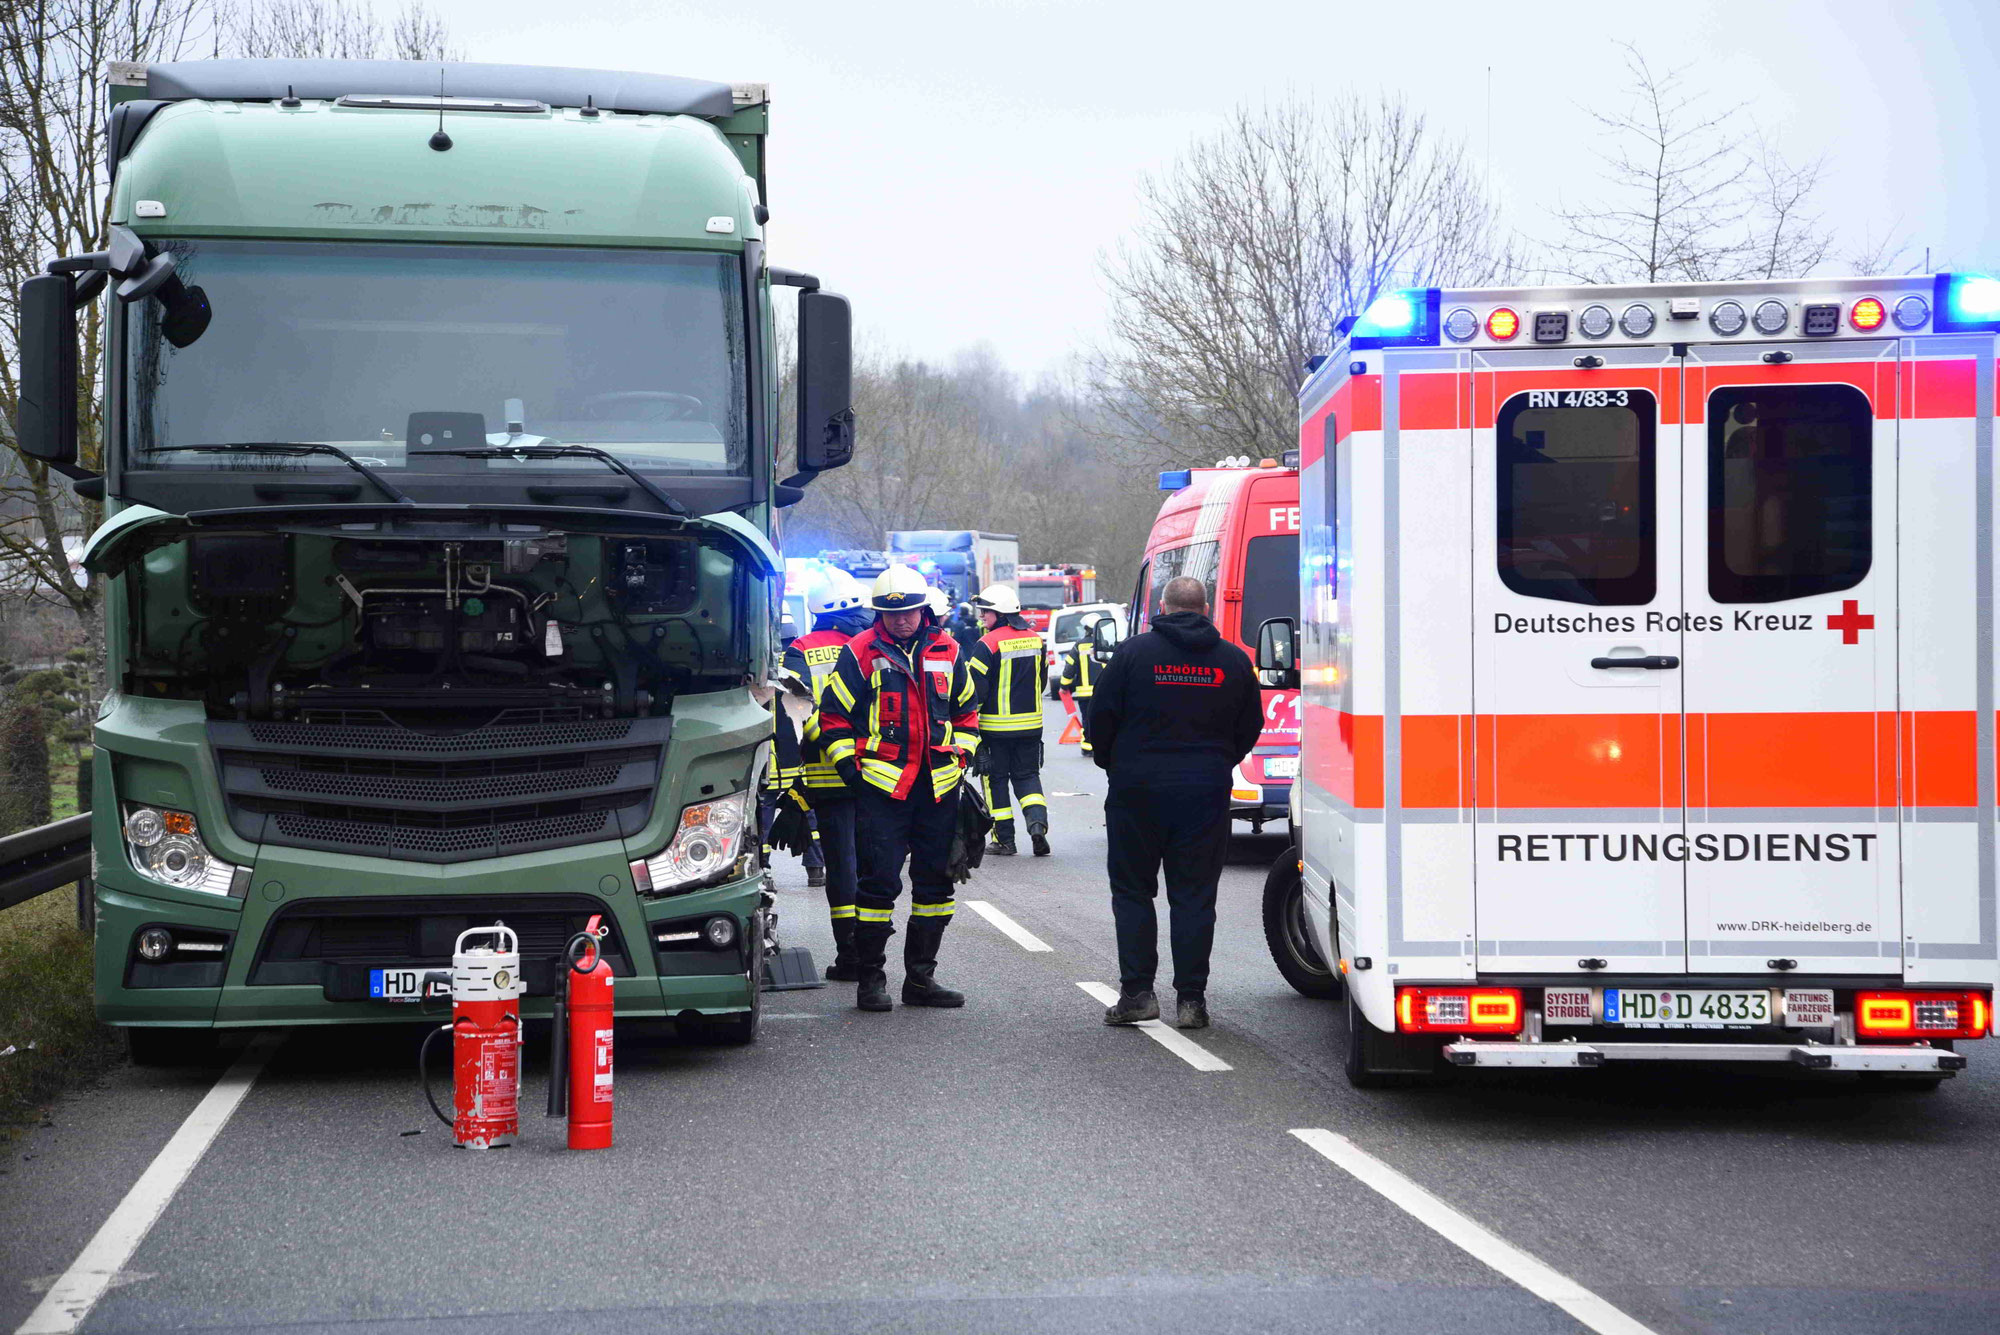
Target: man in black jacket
[(1175, 711)]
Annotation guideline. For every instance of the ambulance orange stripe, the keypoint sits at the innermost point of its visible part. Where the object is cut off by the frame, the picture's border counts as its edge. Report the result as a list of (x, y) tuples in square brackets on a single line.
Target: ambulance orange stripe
[(1433, 402), (1634, 760)]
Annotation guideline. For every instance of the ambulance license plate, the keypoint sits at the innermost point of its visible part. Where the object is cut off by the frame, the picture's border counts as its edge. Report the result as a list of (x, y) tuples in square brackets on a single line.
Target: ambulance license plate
[(1281, 767), (402, 985), (1683, 1008)]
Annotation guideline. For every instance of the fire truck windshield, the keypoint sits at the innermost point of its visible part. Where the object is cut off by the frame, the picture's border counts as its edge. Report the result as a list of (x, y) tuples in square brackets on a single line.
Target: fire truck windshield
[(1044, 594)]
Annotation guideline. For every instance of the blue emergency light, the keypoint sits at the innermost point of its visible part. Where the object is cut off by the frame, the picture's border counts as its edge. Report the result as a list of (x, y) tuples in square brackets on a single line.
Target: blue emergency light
[(1177, 479), (1401, 319), (928, 567), (1966, 303)]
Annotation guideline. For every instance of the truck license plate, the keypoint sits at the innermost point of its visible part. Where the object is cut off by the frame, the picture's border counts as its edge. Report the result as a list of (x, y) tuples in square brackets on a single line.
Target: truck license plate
[(402, 985), (1281, 767), (1683, 1008)]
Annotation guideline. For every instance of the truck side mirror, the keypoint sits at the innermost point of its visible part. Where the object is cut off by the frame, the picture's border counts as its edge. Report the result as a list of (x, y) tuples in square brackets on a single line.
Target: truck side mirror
[(826, 381), (1104, 637), (1277, 649), (46, 425)]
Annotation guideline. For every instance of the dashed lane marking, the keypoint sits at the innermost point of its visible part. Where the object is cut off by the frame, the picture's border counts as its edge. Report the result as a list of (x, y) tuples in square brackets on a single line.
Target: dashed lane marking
[(1549, 1285), (1173, 1040), (1020, 935), (98, 1266)]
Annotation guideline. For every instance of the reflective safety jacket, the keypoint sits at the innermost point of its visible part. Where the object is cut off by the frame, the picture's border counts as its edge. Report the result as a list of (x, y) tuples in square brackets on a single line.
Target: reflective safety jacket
[(1010, 667), (785, 770), (900, 714), (810, 658), (1079, 674)]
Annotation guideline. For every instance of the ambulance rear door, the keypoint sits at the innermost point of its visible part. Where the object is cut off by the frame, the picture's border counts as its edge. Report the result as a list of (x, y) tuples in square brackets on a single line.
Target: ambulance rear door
[(1576, 737), (1789, 667)]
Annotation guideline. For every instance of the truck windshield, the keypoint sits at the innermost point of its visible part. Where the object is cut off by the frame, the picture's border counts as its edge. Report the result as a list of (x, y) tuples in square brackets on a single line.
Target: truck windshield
[(1044, 595), (640, 354)]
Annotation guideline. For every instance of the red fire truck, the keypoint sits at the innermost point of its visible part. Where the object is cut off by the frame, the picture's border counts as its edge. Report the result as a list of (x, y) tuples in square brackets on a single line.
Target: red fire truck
[(1235, 527), (1045, 588)]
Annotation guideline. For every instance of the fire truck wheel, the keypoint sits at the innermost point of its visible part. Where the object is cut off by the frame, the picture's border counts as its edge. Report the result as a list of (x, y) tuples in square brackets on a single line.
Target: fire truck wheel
[(171, 1047), (1289, 934)]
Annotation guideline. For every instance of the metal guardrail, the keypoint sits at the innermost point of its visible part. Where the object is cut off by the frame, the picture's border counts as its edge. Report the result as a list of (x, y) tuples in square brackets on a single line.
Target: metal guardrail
[(45, 858)]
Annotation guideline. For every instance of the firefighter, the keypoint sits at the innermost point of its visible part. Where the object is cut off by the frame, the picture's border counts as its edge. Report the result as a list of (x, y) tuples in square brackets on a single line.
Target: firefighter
[(1079, 678), (1010, 667), (781, 780), (839, 611), (898, 720)]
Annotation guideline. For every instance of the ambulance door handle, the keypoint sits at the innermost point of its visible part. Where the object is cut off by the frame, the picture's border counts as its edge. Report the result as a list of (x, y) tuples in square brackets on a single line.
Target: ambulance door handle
[(1652, 662)]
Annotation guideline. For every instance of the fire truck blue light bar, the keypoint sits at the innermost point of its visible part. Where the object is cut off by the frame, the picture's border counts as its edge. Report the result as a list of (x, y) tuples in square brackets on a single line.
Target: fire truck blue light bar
[(1402, 319), (1174, 481), (1966, 303)]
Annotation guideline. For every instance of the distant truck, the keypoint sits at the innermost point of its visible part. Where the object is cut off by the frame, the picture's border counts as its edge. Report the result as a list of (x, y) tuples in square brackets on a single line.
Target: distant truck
[(959, 561), (439, 551), (1045, 588)]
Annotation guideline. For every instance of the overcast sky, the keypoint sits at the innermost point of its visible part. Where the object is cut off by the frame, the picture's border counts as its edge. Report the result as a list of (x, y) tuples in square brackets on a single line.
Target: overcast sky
[(958, 167)]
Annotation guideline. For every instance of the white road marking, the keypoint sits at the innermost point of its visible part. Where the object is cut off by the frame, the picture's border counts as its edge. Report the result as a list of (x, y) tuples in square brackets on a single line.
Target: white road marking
[(1020, 935), (797, 1015), (102, 1261), (1173, 1040), (1531, 1274)]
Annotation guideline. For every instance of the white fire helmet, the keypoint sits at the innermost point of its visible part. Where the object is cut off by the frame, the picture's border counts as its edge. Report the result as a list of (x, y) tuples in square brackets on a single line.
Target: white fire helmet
[(834, 592), (940, 604), (899, 589), (999, 598)]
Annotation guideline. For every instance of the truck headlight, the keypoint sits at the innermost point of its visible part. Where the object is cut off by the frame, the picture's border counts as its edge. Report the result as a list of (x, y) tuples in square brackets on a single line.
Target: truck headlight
[(165, 846), (706, 847)]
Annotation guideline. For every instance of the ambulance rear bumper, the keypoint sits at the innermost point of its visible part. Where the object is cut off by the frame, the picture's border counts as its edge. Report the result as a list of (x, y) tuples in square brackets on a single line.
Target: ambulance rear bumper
[(1810, 1056)]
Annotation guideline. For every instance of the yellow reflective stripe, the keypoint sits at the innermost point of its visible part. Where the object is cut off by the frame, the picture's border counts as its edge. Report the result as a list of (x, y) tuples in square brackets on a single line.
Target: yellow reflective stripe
[(840, 748), (968, 740), (1009, 723), (943, 910), (978, 665), (840, 911), (1031, 800), (1002, 813), (872, 915), (839, 688)]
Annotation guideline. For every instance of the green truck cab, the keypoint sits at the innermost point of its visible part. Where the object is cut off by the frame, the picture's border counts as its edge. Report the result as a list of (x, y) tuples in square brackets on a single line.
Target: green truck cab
[(440, 467)]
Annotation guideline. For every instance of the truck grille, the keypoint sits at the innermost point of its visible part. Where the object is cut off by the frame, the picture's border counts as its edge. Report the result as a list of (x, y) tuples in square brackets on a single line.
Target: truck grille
[(359, 781)]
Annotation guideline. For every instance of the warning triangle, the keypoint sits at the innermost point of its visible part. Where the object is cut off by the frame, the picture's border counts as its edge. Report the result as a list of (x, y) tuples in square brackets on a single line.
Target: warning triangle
[(1072, 733)]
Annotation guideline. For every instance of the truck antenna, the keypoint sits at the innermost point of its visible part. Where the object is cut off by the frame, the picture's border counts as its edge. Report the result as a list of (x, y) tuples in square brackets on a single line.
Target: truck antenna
[(440, 141)]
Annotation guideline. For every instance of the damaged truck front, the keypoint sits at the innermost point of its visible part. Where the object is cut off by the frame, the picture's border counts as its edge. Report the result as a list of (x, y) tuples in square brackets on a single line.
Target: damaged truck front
[(441, 584)]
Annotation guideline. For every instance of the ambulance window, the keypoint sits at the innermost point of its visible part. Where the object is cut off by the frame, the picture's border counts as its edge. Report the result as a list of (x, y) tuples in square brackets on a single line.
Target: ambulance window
[(1136, 612), (1576, 496), (1197, 560), (1270, 582), (1790, 472)]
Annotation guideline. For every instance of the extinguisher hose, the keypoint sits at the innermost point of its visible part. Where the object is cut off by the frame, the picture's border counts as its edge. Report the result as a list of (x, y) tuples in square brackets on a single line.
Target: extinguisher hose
[(558, 1061), (424, 1070)]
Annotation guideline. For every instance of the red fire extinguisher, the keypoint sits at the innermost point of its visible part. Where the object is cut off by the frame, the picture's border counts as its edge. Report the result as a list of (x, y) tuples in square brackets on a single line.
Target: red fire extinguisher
[(486, 1040), (580, 1058)]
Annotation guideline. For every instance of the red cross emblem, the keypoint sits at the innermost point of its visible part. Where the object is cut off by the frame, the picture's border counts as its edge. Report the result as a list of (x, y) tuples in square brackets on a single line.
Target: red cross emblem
[(1851, 621)]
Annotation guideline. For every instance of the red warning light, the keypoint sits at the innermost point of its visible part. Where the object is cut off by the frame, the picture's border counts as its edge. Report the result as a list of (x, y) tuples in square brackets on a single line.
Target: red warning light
[(1503, 324), (1868, 313)]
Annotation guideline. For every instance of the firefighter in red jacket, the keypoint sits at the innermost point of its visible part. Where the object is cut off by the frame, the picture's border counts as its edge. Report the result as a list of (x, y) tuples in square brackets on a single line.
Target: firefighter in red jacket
[(839, 610), (898, 721)]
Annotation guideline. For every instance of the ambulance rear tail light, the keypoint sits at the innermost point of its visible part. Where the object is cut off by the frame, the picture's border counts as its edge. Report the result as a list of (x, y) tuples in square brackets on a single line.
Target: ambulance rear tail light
[(1922, 1014), (1405, 319), (1502, 323), (1458, 1010), (1966, 303), (1867, 314)]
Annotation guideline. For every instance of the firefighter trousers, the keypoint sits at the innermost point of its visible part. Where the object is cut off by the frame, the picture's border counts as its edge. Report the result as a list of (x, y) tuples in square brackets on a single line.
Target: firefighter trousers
[(886, 832), (1013, 777), (836, 846), (1182, 829)]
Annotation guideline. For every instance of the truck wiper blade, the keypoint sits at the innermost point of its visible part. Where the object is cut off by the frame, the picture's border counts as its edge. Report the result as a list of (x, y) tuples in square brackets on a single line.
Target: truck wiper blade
[(569, 452), (389, 488)]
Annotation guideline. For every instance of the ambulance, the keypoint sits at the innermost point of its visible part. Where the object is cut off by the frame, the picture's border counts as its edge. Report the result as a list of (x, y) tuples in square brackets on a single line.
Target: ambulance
[(1648, 661), (1235, 527)]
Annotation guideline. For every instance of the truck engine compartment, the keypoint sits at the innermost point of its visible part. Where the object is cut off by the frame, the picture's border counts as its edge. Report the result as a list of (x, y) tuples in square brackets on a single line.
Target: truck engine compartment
[(432, 627)]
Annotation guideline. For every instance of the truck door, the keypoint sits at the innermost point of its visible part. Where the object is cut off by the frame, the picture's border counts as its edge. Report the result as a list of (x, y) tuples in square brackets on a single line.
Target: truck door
[(1789, 664), (1577, 647)]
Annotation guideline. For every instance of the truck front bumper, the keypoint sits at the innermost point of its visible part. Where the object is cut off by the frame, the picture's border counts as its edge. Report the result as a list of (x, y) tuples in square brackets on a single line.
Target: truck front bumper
[(1916, 1059)]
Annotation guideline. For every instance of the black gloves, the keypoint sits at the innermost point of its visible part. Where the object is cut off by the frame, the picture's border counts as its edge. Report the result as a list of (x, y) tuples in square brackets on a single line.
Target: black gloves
[(849, 772)]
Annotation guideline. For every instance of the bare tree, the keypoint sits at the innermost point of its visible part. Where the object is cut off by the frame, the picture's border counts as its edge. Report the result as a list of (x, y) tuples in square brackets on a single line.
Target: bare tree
[(336, 30), (1788, 238), (1255, 243), (420, 34)]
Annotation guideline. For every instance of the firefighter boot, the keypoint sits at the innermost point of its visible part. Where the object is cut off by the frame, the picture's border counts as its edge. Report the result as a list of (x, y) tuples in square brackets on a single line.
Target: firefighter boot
[(871, 955), (920, 950), (843, 969), (1038, 835)]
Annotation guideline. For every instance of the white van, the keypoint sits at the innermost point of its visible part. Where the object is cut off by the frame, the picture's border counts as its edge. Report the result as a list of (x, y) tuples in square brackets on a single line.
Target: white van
[(1647, 653)]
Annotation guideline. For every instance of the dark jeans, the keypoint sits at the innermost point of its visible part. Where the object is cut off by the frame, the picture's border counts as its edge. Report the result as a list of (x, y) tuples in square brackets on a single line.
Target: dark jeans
[(1185, 828)]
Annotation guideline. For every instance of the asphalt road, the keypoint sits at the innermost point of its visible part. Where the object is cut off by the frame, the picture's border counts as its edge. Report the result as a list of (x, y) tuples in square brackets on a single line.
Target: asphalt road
[(1015, 1166)]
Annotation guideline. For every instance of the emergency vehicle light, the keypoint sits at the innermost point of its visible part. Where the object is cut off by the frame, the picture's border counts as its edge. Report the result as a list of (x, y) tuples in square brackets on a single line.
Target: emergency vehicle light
[(1458, 1010), (1966, 303), (1867, 313), (1502, 323), (1177, 479), (1406, 319), (1921, 1014)]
